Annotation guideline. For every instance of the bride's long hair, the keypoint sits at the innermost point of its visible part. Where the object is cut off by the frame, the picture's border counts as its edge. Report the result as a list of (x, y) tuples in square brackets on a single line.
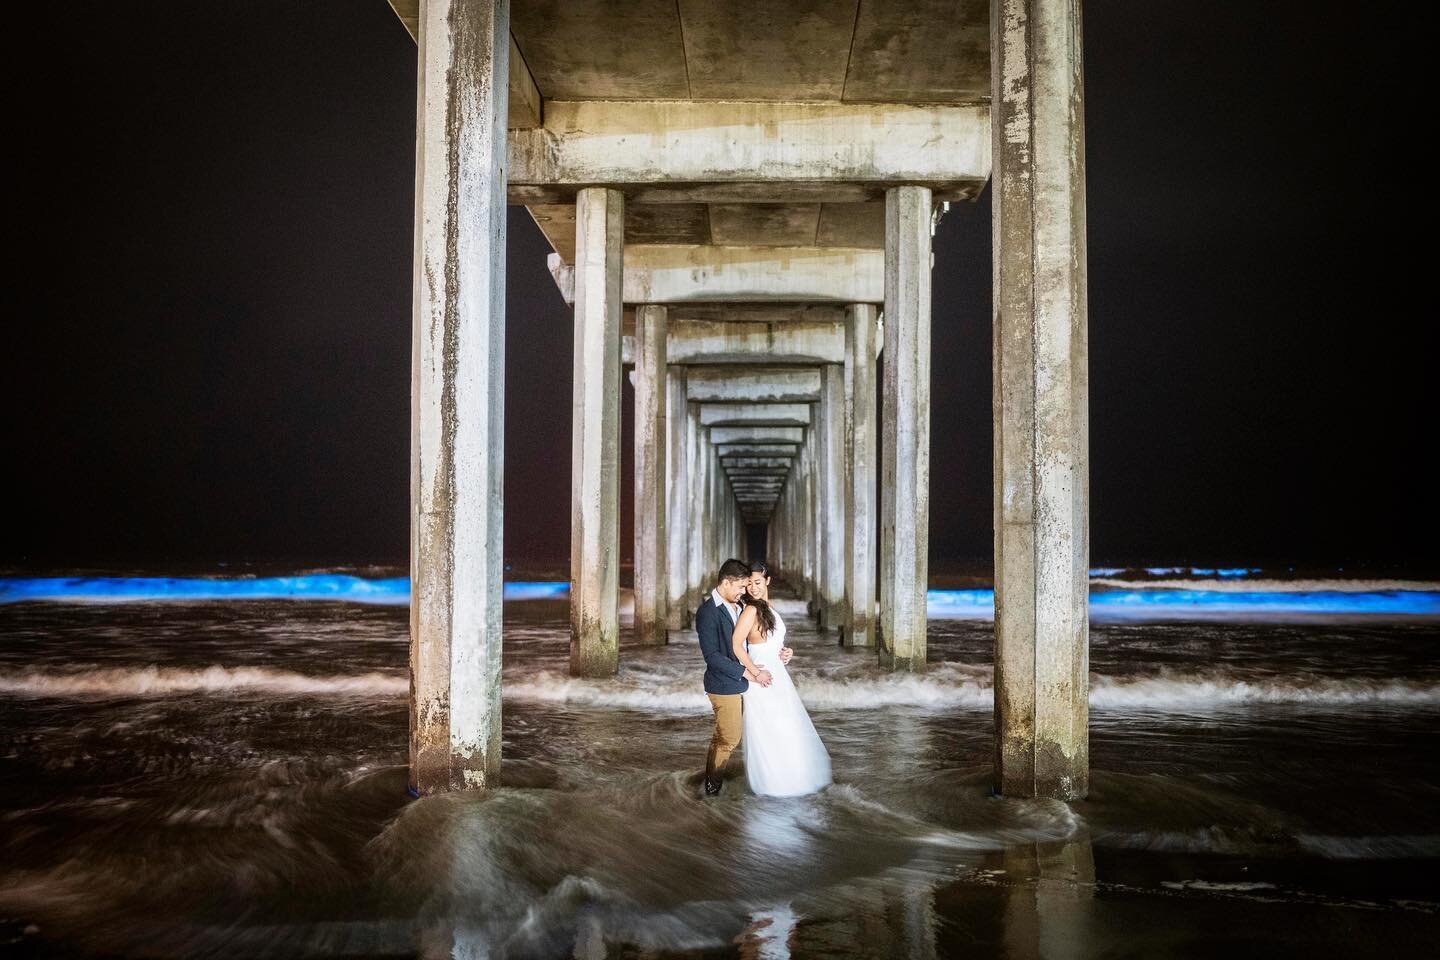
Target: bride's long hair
[(763, 612)]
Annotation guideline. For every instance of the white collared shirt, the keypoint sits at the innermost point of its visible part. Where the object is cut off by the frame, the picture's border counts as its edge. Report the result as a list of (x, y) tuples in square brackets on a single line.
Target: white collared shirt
[(729, 607)]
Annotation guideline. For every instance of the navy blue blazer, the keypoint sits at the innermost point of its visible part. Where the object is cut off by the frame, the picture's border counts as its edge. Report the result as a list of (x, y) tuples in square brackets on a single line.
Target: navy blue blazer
[(724, 674)]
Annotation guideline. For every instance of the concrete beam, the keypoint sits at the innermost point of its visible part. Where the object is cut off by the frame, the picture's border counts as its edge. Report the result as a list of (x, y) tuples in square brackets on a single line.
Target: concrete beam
[(756, 449), (756, 434), (690, 273), (740, 463), (800, 341), (1041, 405), (457, 425), (767, 144), (752, 384), (736, 473), (720, 342), (754, 414), (595, 436)]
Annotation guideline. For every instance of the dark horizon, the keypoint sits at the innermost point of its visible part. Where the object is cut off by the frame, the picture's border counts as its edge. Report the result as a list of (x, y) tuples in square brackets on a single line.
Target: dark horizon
[(210, 358)]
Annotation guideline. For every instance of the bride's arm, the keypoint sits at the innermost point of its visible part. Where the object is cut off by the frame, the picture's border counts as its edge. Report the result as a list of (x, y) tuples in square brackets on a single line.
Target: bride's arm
[(743, 629)]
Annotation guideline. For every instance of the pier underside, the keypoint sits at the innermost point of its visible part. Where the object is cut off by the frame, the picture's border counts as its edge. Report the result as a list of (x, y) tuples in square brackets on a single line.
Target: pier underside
[(740, 199)]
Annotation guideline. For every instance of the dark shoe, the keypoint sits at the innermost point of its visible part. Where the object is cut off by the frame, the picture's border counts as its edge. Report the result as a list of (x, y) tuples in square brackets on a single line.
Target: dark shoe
[(712, 787)]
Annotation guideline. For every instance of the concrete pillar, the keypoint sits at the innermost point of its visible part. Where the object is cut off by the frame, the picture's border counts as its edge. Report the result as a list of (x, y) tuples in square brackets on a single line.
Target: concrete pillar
[(834, 492), (457, 396), (905, 489), (861, 330), (812, 520), (695, 514), (1040, 402), (595, 434), (677, 505), (651, 545)]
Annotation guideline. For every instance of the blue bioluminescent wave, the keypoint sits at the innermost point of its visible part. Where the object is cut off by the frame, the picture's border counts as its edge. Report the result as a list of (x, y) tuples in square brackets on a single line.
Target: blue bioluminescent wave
[(321, 586), (1183, 604), (1178, 571)]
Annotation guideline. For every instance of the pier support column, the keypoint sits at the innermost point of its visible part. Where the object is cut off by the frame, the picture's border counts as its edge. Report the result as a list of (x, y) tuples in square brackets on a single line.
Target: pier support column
[(834, 497), (677, 492), (595, 437), (457, 395), (695, 444), (1040, 402), (905, 490), (861, 322), (651, 545)]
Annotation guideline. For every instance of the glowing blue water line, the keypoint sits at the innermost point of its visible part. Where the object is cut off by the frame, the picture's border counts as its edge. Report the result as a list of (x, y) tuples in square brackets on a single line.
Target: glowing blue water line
[(1156, 604), (944, 604), (322, 586)]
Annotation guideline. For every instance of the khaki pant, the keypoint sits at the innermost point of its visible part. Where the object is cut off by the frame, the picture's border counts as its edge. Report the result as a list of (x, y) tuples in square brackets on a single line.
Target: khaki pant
[(727, 732)]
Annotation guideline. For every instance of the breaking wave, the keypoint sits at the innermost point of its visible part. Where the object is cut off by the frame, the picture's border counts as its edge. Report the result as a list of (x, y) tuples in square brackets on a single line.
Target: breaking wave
[(947, 685), (155, 681)]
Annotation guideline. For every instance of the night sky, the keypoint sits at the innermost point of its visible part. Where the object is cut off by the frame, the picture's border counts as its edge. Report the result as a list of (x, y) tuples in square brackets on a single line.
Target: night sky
[(209, 327)]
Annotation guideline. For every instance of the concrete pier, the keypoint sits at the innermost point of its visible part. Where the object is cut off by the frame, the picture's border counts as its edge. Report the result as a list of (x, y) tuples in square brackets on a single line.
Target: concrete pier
[(752, 213), (651, 543), (861, 506), (905, 470), (457, 446), (1040, 403), (595, 436)]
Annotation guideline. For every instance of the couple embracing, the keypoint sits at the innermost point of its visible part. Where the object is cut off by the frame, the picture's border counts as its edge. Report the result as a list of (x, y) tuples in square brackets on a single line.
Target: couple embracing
[(743, 641)]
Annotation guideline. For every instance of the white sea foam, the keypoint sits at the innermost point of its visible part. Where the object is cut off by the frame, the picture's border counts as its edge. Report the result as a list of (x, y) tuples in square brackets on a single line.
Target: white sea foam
[(944, 686), (1183, 693), (152, 681)]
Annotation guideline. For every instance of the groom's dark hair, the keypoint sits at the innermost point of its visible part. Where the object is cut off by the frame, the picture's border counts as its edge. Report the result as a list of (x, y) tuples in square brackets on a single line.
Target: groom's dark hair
[(733, 569)]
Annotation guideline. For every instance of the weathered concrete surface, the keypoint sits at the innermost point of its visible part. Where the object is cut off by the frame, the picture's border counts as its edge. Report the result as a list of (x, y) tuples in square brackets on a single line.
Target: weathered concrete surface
[(905, 50), (756, 434), (754, 384), (740, 463), (650, 491), (699, 476), (595, 436), (755, 450), (633, 142), (861, 343), (754, 414), (1041, 403), (834, 495), (458, 397), (728, 224), (905, 488), (678, 273), (677, 500), (523, 96), (800, 342)]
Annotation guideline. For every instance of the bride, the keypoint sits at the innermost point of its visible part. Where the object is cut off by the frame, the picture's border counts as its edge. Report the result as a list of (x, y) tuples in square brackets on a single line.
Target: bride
[(783, 754)]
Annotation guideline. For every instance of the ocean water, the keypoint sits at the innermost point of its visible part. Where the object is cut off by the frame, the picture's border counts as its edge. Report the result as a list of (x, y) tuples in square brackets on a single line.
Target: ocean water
[(189, 772)]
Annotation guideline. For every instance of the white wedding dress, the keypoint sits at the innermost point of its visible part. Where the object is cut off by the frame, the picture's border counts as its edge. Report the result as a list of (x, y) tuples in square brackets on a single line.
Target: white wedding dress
[(783, 754)]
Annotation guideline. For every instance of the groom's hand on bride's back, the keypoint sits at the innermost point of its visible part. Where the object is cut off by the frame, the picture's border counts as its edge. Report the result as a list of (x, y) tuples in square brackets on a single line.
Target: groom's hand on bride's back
[(785, 654)]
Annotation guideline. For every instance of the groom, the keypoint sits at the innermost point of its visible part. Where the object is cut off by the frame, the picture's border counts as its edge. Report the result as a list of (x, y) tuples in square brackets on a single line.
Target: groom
[(726, 678)]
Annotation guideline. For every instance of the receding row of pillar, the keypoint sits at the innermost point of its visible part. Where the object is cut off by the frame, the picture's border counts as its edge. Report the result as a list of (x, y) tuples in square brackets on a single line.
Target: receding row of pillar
[(822, 526)]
